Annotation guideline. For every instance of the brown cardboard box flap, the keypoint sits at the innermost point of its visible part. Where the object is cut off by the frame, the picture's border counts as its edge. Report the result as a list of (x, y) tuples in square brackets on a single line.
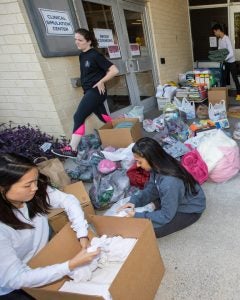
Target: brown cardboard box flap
[(54, 212), (144, 262), (216, 94), (56, 252), (128, 227), (78, 190), (120, 137), (57, 216), (41, 294)]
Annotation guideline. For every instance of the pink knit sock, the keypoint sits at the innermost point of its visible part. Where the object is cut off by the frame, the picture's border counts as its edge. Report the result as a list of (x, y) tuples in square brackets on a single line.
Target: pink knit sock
[(106, 118), (80, 130)]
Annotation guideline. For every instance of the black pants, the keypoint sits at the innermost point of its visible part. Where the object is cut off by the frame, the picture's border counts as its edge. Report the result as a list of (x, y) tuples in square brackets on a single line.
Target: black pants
[(226, 70), (17, 295), (179, 222), (92, 102)]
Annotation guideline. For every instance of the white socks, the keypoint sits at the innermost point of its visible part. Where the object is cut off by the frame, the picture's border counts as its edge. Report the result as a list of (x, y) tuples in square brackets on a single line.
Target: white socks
[(75, 140)]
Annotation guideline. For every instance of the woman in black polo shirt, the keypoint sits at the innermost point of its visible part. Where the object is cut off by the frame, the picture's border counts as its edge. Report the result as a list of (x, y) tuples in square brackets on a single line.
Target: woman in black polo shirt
[(95, 71)]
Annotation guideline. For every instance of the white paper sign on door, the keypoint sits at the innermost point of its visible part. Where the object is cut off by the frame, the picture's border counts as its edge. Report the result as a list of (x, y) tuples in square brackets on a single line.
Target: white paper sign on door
[(212, 41), (104, 37), (57, 22), (114, 51), (135, 49)]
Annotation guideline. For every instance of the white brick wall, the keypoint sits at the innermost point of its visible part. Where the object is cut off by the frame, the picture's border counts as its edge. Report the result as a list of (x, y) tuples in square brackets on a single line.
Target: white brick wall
[(171, 30), (37, 90), (24, 94)]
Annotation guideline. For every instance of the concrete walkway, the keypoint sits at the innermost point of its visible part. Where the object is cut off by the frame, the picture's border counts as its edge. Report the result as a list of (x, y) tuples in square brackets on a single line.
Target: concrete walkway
[(203, 260)]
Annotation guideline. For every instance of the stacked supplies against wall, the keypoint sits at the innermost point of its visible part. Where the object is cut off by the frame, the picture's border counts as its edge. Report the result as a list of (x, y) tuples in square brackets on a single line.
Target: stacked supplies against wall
[(96, 277)]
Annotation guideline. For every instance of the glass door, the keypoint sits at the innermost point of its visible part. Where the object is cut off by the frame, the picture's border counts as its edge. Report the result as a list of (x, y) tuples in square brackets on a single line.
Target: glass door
[(139, 58), (234, 33), (125, 24)]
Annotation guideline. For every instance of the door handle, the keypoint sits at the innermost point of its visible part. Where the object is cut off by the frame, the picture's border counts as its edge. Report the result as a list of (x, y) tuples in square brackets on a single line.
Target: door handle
[(127, 67), (138, 68)]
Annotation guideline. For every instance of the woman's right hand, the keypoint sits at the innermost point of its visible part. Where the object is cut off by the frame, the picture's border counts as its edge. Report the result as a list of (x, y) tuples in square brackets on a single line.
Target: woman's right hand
[(127, 205), (82, 258)]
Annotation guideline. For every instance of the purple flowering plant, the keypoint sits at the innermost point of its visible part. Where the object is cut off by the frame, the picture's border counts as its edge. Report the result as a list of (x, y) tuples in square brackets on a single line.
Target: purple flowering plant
[(27, 140)]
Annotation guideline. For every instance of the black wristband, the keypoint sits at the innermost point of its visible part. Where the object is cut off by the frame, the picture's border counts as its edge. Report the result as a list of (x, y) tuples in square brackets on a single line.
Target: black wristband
[(84, 237)]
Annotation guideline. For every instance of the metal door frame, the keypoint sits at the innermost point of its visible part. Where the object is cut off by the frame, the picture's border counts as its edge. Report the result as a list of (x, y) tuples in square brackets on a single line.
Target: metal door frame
[(117, 7)]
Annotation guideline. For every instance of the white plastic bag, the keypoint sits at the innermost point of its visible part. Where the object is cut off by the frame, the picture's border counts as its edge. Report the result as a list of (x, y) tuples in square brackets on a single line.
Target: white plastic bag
[(188, 107), (177, 102), (221, 154), (217, 111), (210, 151), (166, 91), (136, 112), (124, 155)]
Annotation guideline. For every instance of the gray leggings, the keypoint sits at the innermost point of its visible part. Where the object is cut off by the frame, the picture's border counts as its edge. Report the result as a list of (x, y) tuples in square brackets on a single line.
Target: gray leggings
[(179, 222)]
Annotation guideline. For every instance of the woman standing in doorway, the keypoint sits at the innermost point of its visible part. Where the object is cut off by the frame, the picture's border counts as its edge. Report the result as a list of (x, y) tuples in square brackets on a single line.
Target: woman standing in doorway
[(229, 65), (96, 70)]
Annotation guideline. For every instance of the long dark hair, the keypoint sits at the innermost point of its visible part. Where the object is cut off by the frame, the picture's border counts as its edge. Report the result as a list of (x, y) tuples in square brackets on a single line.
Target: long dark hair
[(12, 168), (163, 163), (88, 35)]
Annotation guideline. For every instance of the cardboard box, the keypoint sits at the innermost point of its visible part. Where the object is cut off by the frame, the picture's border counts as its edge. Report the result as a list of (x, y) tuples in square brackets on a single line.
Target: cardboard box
[(120, 137), (57, 217), (216, 94), (139, 276)]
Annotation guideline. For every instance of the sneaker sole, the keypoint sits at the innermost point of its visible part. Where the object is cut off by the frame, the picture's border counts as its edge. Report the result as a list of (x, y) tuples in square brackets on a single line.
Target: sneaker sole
[(63, 155)]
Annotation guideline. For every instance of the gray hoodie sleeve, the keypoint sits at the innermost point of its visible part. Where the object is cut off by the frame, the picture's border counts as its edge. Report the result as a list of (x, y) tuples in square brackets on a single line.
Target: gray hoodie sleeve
[(169, 198), (147, 195)]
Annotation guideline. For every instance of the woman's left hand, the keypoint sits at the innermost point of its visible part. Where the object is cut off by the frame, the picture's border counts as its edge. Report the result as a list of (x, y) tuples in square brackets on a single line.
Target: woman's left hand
[(101, 87), (84, 241), (130, 213)]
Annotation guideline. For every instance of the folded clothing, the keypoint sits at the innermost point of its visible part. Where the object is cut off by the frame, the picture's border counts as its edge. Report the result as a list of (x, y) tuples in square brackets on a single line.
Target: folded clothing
[(113, 249), (124, 125), (218, 55), (116, 248)]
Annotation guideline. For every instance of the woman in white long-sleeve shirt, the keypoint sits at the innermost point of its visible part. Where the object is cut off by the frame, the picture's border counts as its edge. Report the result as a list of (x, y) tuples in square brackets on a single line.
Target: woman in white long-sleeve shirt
[(25, 198), (229, 65)]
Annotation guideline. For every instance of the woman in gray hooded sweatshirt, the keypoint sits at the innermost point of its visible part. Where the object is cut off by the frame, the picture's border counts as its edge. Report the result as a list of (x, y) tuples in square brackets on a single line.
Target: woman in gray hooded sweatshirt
[(177, 199)]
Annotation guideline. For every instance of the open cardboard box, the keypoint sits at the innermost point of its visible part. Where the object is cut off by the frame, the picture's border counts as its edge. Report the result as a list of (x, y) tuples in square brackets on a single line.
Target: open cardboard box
[(216, 94), (57, 216), (139, 276), (120, 137)]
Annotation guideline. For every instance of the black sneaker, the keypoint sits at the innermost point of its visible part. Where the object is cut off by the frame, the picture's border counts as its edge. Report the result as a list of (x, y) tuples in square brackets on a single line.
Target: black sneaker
[(65, 152)]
